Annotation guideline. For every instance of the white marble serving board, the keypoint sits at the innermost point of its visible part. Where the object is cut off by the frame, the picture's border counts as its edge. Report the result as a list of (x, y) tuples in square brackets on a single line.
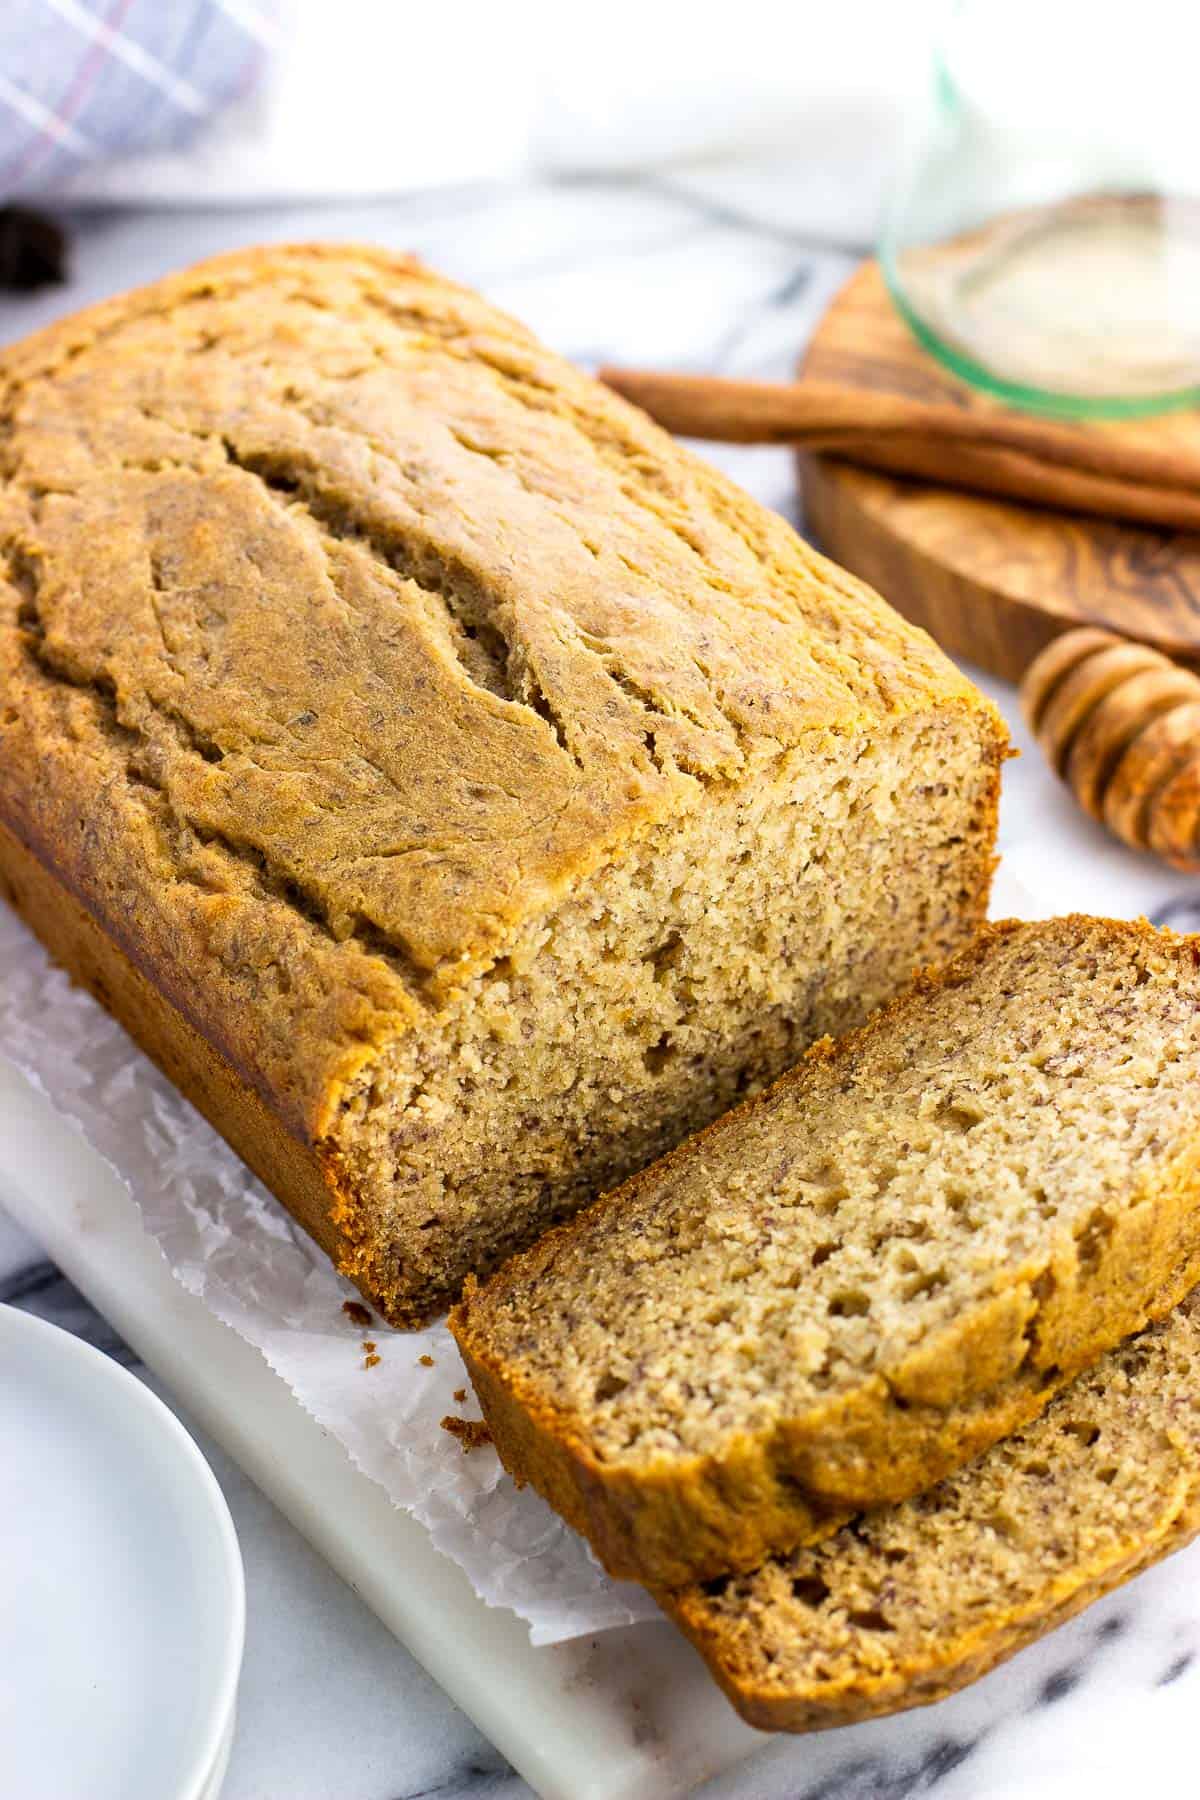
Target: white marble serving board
[(628, 1713)]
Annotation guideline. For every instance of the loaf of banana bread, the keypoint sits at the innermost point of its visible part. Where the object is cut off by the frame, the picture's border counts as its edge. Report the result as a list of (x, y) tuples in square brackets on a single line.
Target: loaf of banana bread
[(460, 789)]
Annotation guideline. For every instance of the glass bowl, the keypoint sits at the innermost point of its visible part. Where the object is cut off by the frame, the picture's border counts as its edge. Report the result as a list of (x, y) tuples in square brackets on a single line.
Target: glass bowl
[(1044, 240)]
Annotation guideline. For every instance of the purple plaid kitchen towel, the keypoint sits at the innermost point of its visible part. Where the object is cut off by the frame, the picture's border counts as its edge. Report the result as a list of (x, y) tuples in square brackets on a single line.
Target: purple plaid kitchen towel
[(87, 79)]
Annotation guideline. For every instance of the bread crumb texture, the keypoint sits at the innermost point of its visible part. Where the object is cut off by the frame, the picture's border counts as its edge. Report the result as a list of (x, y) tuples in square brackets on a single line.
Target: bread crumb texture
[(909, 1603), (494, 789), (854, 1283), (472, 1434)]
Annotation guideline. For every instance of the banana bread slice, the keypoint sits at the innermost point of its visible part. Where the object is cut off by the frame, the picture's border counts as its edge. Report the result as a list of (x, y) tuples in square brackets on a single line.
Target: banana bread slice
[(912, 1602), (855, 1282), (460, 789)]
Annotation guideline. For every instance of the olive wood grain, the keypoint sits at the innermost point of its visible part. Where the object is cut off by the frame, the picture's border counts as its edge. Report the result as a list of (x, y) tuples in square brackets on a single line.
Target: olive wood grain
[(991, 580)]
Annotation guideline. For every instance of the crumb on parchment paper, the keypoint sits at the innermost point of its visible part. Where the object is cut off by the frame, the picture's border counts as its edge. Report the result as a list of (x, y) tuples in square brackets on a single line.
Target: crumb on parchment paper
[(356, 1312), (460, 1395), (370, 1361), (472, 1434), (426, 1362)]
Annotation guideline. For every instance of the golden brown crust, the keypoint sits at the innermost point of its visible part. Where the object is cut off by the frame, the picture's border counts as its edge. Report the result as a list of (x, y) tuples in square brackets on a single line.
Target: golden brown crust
[(197, 1067), (948, 1667), (679, 1517), (344, 631)]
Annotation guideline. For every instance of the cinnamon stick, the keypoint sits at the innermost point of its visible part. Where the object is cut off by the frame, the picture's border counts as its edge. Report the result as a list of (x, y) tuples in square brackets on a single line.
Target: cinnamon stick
[(1073, 469)]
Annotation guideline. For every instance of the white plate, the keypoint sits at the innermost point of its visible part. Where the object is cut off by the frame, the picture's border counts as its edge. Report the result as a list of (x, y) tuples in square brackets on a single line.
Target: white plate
[(123, 1610)]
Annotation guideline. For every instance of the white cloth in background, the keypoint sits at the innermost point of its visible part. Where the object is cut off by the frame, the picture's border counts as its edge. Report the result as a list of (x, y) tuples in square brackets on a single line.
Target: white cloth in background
[(790, 114)]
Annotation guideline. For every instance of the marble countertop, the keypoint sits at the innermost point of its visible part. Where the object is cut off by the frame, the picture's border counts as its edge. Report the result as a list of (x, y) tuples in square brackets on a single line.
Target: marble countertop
[(330, 1703)]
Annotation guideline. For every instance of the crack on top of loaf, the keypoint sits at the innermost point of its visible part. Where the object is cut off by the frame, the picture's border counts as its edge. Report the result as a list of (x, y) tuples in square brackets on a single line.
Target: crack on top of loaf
[(477, 614), (661, 709), (632, 448), (481, 630), (614, 433), (142, 769), (469, 621)]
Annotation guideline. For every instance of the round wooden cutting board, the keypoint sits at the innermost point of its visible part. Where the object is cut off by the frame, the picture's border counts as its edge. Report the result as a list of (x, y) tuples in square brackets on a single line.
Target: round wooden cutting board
[(990, 580)]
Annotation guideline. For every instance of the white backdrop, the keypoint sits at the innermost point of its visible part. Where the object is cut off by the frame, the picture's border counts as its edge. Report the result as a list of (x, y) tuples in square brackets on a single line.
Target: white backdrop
[(789, 112)]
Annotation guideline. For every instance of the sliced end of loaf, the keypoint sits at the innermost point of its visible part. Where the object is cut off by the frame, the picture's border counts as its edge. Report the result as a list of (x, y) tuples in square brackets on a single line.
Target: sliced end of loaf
[(685, 975), (910, 1603)]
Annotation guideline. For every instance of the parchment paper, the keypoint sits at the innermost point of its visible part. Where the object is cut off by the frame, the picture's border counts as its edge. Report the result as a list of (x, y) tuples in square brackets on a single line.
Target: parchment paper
[(229, 1242)]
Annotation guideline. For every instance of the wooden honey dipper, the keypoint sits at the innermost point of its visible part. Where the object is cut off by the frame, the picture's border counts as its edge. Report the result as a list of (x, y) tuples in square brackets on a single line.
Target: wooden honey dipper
[(1120, 723)]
